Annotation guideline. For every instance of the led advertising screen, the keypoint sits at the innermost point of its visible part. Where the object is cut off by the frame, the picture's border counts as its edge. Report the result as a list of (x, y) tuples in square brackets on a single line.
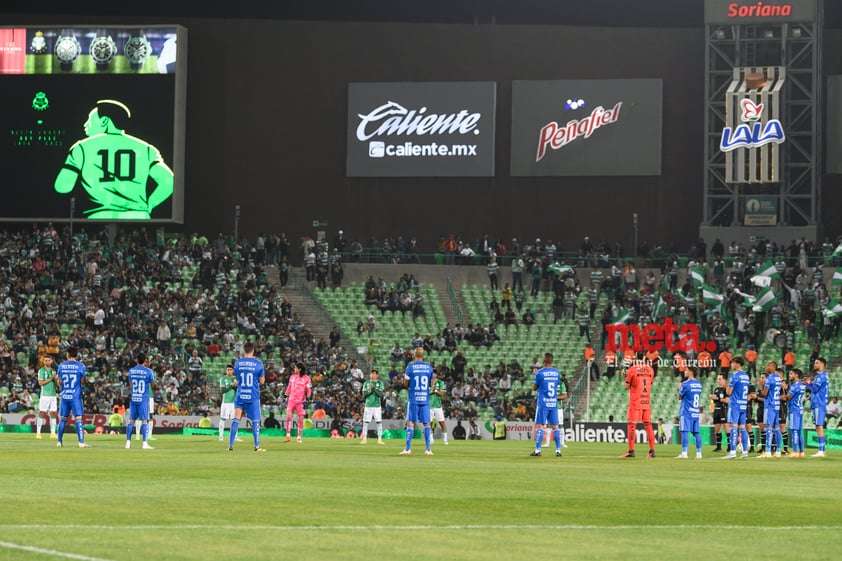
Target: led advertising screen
[(586, 127), (93, 124), (421, 129)]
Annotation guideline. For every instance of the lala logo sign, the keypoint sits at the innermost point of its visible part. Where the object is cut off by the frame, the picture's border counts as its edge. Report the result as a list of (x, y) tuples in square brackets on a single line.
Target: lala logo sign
[(752, 133)]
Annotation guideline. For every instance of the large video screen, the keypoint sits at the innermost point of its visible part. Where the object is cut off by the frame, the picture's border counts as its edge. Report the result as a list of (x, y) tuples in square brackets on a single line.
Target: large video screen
[(93, 123)]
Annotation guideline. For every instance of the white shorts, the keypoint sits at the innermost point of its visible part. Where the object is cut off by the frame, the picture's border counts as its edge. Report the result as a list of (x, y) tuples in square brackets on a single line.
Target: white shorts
[(437, 413), (372, 414), (226, 411), (48, 404)]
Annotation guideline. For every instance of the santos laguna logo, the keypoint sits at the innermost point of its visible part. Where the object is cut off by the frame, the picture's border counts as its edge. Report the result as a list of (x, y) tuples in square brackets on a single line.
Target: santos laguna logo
[(392, 118), (555, 136)]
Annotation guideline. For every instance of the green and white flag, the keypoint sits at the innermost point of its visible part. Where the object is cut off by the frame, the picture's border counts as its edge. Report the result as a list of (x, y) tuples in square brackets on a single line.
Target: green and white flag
[(622, 319), (768, 269), (764, 301), (837, 277), (660, 309), (748, 299), (761, 280), (711, 296), (697, 276), (833, 309), (559, 269), (838, 251)]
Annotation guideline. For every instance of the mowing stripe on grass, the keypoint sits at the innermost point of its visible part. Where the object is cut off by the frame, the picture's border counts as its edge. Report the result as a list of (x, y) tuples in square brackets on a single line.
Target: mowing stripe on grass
[(51, 552), (380, 527)]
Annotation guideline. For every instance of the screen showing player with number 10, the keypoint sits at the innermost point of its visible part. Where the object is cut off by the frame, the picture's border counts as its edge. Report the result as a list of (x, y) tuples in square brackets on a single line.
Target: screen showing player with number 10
[(92, 120)]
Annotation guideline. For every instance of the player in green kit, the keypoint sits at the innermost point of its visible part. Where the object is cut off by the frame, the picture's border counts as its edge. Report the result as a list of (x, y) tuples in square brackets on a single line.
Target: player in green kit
[(228, 391), (48, 403), (437, 392), (114, 167), (373, 391)]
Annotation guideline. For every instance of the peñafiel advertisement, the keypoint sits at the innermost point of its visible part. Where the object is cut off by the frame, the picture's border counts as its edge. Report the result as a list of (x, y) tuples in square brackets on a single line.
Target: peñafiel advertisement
[(586, 127)]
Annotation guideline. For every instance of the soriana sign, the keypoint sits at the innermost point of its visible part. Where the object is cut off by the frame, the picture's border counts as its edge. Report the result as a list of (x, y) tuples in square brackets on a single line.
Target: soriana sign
[(758, 11)]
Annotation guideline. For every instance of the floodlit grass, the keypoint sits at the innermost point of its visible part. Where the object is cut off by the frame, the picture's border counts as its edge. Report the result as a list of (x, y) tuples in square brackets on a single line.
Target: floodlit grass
[(191, 499)]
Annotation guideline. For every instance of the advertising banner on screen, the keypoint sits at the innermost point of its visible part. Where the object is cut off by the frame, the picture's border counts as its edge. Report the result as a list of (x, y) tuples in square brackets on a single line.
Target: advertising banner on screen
[(759, 11), (586, 127), (421, 129)]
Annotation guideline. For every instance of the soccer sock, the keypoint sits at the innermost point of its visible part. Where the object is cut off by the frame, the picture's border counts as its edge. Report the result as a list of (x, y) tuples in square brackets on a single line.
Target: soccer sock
[(232, 434), (724, 440), (443, 433), (769, 435), (255, 431), (778, 438), (137, 429), (650, 435), (744, 434), (221, 427), (733, 443), (149, 426), (61, 426), (39, 422), (52, 425), (380, 431), (785, 437), (794, 440), (821, 441), (762, 439), (630, 435), (750, 438), (364, 432), (144, 431), (289, 422), (129, 431), (560, 436), (80, 431), (300, 425), (427, 433), (539, 439), (409, 432), (685, 440), (698, 438), (557, 436)]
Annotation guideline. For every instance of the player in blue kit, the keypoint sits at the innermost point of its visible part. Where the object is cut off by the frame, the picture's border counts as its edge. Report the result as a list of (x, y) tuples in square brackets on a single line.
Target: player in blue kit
[(547, 382), (690, 395), (738, 389), (140, 378), (771, 412), (419, 380), (249, 375), (795, 418), (818, 402), (70, 377)]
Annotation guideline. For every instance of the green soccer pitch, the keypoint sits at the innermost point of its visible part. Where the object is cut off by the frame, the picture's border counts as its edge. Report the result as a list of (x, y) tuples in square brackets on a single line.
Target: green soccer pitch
[(191, 499)]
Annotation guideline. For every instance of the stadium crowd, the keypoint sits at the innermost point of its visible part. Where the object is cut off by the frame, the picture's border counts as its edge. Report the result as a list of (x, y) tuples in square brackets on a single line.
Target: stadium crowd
[(189, 303)]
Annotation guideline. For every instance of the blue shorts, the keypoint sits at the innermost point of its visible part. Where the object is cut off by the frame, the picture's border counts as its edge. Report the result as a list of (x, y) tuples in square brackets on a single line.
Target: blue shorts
[(139, 410), (820, 416), (795, 421), (736, 417), (546, 415), (771, 417), (65, 406), (418, 413), (688, 424), (251, 408)]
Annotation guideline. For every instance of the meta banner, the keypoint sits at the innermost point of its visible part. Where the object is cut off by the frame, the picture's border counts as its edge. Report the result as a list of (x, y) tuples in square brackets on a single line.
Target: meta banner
[(586, 127), (421, 129), (756, 11)]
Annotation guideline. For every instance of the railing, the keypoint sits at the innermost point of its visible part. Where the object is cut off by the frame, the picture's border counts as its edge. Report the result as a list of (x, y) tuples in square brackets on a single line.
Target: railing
[(313, 305), (581, 389), (454, 301)]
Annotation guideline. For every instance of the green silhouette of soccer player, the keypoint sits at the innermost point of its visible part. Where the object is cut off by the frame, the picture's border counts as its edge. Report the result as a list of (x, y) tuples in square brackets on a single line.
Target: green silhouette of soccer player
[(114, 167)]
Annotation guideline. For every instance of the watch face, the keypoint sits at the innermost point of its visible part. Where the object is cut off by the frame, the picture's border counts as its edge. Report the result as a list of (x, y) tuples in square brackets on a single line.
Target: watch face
[(137, 49), (67, 49), (103, 49)]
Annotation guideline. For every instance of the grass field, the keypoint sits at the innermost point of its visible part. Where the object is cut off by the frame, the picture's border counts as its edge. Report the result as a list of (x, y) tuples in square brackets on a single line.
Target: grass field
[(191, 499)]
